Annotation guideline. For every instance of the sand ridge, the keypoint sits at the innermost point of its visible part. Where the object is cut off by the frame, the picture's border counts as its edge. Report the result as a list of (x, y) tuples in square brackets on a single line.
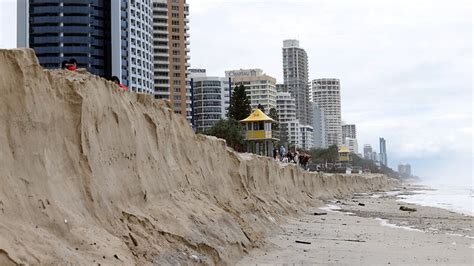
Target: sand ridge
[(92, 174)]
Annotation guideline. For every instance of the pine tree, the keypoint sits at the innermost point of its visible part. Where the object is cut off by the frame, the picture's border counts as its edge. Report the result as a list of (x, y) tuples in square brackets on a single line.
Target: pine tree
[(272, 113), (239, 107), (230, 130)]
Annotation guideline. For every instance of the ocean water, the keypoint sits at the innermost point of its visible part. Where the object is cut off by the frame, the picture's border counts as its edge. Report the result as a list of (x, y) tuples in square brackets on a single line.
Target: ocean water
[(454, 197)]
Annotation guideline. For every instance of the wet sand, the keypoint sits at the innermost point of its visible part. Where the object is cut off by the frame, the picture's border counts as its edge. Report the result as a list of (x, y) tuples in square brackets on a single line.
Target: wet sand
[(375, 234)]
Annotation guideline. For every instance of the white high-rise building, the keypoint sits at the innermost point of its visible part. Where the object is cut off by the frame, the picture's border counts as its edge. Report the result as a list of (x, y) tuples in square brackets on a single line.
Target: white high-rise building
[(211, 99), (132, 58), (348, 131), (319, 129), (326, 94), (286, 109), (260, 87), (367, 152), (295, 77), (294, 134), (352, 145), (306, 137)]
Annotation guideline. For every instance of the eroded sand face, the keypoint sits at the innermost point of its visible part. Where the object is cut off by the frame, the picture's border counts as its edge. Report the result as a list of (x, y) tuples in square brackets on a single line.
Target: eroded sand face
[(92, 174)]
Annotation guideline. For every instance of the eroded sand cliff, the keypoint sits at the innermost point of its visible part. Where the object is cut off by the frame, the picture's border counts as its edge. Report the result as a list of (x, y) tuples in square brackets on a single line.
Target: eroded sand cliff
[(90, 173)]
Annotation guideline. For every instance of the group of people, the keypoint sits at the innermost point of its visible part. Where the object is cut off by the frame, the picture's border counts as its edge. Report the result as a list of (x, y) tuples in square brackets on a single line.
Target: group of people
[(298, 157), (71, 65)]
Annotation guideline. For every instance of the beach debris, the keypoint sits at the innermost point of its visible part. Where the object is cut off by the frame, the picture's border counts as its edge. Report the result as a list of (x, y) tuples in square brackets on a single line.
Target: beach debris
[(347, 240), (115, 256), (361, 204), (320, 213), (407, 209), (302, 242), (195, 258), (65, 221)]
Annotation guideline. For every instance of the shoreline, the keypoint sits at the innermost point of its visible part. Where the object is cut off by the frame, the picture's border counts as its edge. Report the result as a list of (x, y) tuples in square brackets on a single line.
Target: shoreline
[(448, 197), (376, 233)]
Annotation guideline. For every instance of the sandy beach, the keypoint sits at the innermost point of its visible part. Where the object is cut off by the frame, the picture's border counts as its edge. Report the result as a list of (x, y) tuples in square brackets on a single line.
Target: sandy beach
[(112, 180), (119, 178), (374, 234)]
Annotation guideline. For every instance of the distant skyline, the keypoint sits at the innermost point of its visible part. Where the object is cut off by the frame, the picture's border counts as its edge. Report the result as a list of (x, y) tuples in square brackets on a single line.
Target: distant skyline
[(405, 66)]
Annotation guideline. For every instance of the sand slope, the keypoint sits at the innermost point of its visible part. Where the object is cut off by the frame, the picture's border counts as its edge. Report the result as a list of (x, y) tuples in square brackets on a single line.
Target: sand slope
[(89, 173)]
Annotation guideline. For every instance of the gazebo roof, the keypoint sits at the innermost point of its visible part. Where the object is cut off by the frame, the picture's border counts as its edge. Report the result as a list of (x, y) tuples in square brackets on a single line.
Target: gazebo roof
[(257, 116), (343, 149)]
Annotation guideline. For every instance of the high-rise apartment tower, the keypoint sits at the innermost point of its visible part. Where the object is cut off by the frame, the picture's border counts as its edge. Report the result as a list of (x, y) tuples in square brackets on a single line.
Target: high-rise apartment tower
[(349, 131), (211, 99), (326, 94), (171, 53), (295, 77), (260, 87)]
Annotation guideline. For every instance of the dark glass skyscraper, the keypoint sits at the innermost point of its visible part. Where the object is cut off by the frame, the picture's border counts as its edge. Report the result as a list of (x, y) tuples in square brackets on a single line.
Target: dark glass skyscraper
[(107, 37), (61, 29)]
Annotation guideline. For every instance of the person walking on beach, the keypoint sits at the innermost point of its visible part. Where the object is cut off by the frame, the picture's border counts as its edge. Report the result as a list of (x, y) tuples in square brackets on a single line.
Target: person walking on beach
[(289, 156), (282, 152), (275, 153)]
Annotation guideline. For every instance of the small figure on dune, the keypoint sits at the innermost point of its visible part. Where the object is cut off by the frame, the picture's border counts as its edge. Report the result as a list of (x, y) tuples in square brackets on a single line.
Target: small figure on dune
[(71, 65), (64, 64), (116, 80)]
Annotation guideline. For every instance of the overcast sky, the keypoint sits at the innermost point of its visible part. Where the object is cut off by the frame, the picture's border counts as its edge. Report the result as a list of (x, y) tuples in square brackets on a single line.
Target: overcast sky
[(405, 66)]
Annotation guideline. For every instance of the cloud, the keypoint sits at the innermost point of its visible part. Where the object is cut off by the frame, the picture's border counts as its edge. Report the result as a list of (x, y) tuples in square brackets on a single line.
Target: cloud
[(405, 67)]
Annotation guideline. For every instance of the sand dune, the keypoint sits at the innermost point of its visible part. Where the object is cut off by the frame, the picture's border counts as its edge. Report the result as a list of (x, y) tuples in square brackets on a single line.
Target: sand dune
[(92, 174)]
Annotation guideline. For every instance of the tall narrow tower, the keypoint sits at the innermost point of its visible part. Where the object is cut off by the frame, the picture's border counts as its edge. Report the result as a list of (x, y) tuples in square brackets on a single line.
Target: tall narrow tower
[(171, 53), (326, 94), (383, 151), (295, 78)]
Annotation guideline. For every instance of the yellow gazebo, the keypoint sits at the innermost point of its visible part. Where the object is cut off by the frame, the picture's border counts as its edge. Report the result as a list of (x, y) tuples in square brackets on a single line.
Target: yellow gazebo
[(258, 133), (344, 154)]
